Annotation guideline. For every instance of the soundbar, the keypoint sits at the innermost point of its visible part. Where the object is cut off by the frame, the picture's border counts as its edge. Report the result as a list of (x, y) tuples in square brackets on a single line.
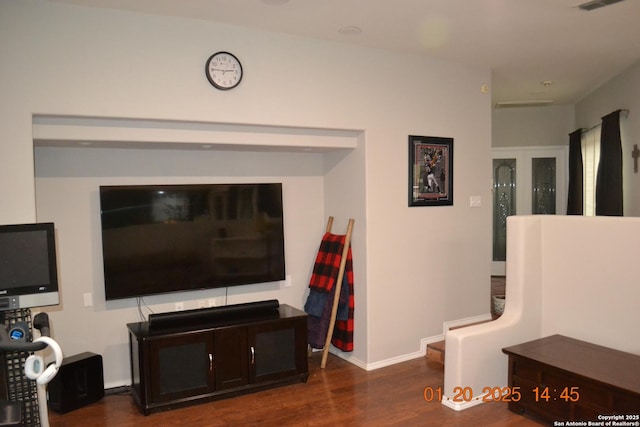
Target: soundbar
[(202, 315)]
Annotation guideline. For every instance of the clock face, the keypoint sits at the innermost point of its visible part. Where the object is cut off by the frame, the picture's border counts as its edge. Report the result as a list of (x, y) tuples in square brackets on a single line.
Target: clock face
[(224, 70)]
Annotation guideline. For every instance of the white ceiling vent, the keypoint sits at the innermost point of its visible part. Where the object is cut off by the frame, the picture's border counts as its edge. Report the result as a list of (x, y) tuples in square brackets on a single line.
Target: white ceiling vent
[(529, 103), (597, 4)]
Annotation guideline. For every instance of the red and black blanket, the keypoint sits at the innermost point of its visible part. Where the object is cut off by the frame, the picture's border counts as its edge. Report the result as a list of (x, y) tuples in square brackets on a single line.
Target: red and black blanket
[(322, 287)]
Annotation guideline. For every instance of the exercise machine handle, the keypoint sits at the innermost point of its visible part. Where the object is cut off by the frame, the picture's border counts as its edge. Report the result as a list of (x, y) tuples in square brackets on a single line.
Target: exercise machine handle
[(7, 343), (41, 323)]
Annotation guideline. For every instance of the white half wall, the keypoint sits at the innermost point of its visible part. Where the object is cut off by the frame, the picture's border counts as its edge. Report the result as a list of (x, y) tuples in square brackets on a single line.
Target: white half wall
[(568, 275)]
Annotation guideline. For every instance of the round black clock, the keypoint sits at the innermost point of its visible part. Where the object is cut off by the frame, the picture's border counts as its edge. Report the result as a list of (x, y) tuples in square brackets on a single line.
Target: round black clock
[(224, 70)]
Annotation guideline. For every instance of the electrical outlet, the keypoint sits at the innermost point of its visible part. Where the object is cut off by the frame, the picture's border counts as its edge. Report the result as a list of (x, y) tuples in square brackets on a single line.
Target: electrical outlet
[(202, 303), (179, 306), (287, 281), (212, 302)]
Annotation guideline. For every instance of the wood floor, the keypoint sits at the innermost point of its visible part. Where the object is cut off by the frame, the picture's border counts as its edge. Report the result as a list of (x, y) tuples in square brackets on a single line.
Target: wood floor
[(339, 395)]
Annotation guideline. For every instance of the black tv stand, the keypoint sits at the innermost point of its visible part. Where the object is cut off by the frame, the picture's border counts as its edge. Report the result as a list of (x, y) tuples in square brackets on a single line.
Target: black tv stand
[(216, 354)]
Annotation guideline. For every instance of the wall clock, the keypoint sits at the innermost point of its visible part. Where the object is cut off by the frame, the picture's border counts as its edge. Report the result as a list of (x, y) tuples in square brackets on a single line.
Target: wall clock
[(224, 70)]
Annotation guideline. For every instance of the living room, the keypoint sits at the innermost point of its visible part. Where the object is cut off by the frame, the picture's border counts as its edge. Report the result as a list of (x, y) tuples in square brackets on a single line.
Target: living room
[(83, 69)]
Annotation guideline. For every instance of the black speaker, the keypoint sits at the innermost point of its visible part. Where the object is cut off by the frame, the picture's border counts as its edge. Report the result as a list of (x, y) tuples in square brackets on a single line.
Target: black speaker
[(200, 315), (79, 382)]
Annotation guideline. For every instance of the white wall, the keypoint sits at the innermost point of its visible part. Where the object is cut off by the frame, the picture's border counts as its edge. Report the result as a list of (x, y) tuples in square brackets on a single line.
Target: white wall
[(621, 92), (415, 267), (590, 282), (67, 181), (532, 126)]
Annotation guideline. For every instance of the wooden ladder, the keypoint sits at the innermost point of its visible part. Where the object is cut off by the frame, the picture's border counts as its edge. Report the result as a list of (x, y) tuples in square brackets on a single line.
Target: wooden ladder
[(338, 286)]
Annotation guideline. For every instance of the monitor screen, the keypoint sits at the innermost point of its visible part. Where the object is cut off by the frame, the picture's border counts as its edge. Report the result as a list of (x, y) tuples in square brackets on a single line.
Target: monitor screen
[(28, 266)]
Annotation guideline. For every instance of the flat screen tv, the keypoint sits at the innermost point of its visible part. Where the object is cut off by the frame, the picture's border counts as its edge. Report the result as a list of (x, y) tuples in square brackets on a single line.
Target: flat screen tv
[(28, 266), (173, 238)]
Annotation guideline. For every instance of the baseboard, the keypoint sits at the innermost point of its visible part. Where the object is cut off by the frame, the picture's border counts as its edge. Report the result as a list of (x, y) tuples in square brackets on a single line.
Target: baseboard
[(348, 356), (394, 360), (424, 342), (461, 406), (410, 356)]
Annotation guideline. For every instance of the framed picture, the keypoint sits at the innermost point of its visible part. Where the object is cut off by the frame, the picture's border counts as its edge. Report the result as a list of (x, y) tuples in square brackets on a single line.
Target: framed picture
[(430, 171)]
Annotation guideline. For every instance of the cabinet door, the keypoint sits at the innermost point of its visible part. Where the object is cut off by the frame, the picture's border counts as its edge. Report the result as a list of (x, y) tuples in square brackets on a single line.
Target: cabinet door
[(231, 358), (277, 350), (180, 366)]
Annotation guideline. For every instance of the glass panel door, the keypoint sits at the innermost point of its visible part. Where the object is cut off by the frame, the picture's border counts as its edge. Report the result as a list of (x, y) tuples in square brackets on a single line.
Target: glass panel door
[(504, 203), (278, 350), (526, 180), (543, 191)]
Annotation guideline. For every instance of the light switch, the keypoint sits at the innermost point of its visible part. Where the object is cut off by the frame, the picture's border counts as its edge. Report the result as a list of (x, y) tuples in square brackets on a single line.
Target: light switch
[(88, 299)]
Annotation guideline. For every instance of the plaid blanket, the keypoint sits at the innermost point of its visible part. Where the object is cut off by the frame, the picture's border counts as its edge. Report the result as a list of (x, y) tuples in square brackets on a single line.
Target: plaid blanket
[(321, 293), (325, 270)]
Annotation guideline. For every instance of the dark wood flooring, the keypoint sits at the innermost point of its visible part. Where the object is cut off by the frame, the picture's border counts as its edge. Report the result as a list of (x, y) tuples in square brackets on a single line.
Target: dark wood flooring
[(342, 394)]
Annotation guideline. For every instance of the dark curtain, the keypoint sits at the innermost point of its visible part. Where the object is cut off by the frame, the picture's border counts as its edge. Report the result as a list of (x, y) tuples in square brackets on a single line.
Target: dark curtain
[(609, 178), (575, 199)]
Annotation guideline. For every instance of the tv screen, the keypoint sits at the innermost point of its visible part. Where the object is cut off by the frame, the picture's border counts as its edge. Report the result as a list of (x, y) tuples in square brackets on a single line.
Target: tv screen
[(28, 266), (170, 238)]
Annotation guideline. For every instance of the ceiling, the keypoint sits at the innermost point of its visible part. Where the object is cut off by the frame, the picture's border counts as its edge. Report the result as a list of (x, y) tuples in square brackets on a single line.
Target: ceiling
[(538, 50)]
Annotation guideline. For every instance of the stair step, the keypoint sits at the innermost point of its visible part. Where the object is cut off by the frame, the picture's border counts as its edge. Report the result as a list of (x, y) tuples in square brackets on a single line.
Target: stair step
[(435, 352)]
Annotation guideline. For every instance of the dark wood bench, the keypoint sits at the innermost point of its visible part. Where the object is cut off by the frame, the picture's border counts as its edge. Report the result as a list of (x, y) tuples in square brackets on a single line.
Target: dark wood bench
[(564, 379)]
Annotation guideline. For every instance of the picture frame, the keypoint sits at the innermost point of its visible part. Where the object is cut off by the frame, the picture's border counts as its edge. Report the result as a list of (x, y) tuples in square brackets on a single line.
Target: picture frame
[(430, 171)]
